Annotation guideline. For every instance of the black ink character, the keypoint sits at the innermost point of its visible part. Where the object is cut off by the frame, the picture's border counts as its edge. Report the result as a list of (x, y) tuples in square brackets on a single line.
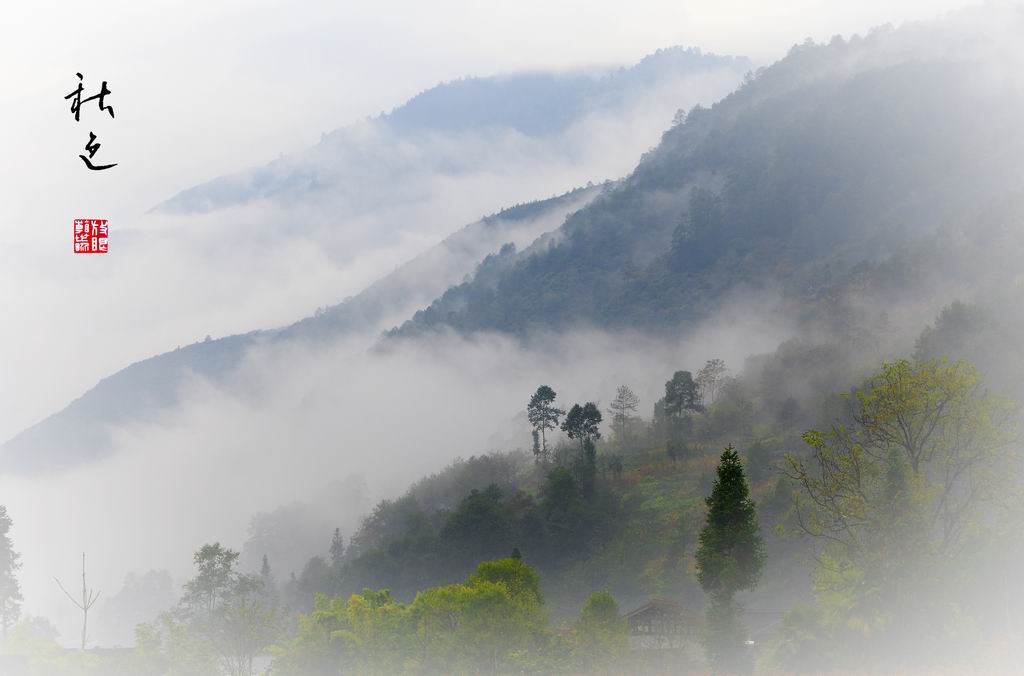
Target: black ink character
[(76, 104), (92, 148)]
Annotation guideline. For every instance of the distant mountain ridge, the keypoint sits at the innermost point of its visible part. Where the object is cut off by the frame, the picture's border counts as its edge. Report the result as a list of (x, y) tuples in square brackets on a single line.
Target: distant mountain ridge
[(541, 103), (533, 105)]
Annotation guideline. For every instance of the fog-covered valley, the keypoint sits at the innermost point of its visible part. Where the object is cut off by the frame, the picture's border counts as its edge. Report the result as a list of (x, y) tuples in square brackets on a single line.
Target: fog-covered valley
[(728, 345)]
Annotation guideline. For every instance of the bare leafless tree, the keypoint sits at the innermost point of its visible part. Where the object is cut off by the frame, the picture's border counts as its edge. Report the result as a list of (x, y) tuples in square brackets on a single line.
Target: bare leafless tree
[(710, 380), (88, 600)]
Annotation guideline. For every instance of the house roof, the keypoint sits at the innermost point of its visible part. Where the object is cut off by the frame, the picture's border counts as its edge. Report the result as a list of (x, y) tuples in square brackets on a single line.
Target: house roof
[(656, 604)]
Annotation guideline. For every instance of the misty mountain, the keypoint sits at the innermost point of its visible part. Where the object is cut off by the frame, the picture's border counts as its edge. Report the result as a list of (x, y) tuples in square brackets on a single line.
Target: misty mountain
[(430, 132), (403, 176), (816, 180), (140, 392), (830, 159)]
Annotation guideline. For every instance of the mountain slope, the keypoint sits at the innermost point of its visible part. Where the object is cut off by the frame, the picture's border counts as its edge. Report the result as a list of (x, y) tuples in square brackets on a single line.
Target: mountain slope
[(140, 392), (833, 156), (404, 176)]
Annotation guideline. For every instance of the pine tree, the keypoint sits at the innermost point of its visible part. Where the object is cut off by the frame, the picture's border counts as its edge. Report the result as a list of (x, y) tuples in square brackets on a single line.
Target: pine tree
[(730, 559), (624, 403), (268, 584), (543, 415), (10, 588), (337, 549)]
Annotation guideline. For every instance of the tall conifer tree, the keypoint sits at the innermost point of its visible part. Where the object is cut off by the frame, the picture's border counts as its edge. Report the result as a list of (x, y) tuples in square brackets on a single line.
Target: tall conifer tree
[(730, 559)]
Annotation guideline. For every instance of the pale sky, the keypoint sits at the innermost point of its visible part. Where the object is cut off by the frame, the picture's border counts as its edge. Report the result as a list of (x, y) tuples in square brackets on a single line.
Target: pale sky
[(204, 88)]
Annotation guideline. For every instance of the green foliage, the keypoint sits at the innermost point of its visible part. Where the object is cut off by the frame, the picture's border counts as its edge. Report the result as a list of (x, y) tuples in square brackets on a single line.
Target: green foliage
[(543, 415), (601, 634), (223, 621), (215, 581), (337, 550), (731, 416), (479, 528), (33, 637), (483, 624), (34, 641), (681, 394), (10, 588), (520, 579), (583, 423), (730, 558), (899, 500), (731, 553)]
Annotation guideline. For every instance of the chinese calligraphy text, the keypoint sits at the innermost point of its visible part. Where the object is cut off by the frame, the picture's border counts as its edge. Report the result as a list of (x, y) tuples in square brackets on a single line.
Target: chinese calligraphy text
[(91, 146)]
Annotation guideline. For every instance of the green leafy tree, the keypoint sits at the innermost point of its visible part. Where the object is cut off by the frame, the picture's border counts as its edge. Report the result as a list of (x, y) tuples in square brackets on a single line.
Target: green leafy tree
[(377, 634), (215, 580), (10, 588), (519, 578), (682, 396), (928, 426), (901, 500), (318, 646), (543, 415), (600, 634), (475, 627), (222, 623), (583, 424), (730, 558), (485, 624)]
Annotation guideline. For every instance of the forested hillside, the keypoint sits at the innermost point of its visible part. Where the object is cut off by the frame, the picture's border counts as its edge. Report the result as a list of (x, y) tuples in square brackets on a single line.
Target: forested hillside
[(624, 506), (771, 413), (833, 157)]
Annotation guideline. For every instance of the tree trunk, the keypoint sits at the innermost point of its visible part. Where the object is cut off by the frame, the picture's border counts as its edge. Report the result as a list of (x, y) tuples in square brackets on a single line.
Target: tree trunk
[(85, 604)]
